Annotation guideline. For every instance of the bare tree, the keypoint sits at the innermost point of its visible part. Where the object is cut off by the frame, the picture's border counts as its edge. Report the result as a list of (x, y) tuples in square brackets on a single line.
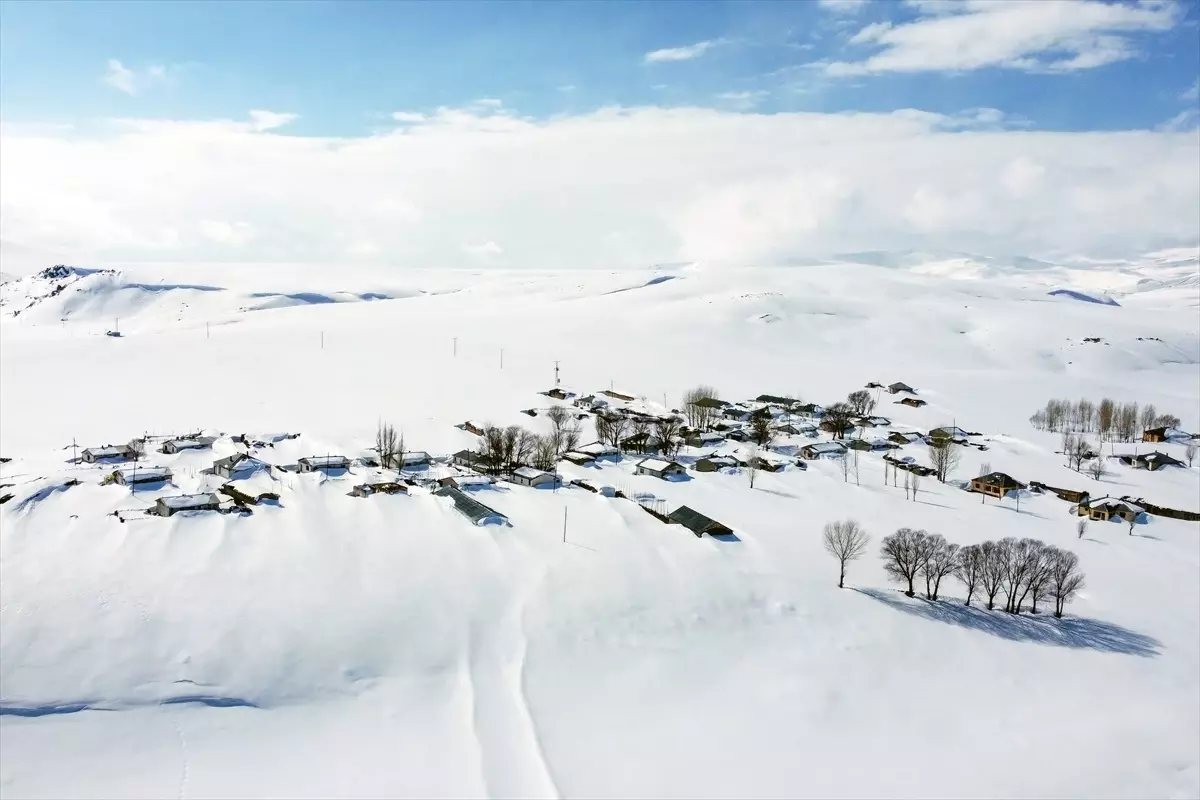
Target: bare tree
[(907, 481), (666, 430), (639, 431), (944, 456), (1086, 411), (1065, 579), (560, 417), (1149, 416), (901, 553), (837, 419), (493, 448), (846, 541), (570, 437), (1127, 421), (615, 427), (1038, 580), (844, 464), (985, 468), (545, 452), (1081, 527), (760, 428), (699, 416), (1021, 558), (386, 443), (940, 560), (752, 466), (1080, 450), (991, 576), (1096, 469), (916, 484), (969, 568), (1038, 420), (1166, 421), (1104, 417), (1190, 454), (1068, 444), (861, 402), (136, 450)]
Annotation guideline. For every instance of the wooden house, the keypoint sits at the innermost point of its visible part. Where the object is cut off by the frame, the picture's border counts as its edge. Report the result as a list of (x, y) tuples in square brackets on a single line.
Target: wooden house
[(912, 401), (168, 506), (996, 484), (323, 463), (898, 387), (529, 476), (823, 450), (659, 468), (697, 523), (131, 476), (1104, 509), (109, 452)]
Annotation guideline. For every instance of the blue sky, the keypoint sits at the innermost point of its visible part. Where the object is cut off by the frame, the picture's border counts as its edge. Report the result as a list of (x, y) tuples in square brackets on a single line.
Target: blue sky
[(344, 67)]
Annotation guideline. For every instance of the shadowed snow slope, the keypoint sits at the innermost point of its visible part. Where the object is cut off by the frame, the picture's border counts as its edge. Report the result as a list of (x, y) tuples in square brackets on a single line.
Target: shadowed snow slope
[(335, 646)]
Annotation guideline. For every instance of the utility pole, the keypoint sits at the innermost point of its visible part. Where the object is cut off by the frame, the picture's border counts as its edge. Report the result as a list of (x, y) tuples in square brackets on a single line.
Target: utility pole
[(555, 374), (207, 333), (322, 340), (456, 347), (74, 457), (564, 524), (501, 358)]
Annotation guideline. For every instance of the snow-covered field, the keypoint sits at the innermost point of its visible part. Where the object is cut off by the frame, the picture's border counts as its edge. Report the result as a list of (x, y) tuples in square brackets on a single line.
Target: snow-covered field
[(382, 647)]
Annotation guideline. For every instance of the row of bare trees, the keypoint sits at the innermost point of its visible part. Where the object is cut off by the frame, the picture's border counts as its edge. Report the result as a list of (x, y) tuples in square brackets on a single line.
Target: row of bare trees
[(1108, 418), (1020, 569), (699, 416)]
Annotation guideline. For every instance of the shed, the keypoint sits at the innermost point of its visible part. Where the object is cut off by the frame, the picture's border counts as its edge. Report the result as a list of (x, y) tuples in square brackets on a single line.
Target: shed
[(414, 458), (952, 432), (379, 487), (109, 452), (196, 443), (134, 475), (600, 450), (529, 476), (915, 402), (467, 482), (705, 438), (166, 506), (713, 463), (473, 460), (996, 484), (582, 459), (321, 463), (618, 395), (238, 465), (904, 437), (471, 508), (823, 450), (697, 523), (898, 387), (659, 468)]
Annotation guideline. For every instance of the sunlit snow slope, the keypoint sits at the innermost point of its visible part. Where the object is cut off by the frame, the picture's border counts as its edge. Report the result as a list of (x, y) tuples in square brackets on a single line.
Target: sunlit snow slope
[(338, 646)]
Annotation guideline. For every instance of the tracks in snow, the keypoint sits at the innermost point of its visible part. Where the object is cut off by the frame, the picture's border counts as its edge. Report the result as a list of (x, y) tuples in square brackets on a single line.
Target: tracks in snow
[(511, 760)]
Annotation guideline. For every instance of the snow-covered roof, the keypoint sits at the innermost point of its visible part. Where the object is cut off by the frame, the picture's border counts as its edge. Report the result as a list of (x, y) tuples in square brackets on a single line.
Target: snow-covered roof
[(826, 447), (187, 444), (326, 461), (656, 464), (182, 501), (598, 449), (529, 472), (414, 457), (108, 450), (145, 474), (472, 480)]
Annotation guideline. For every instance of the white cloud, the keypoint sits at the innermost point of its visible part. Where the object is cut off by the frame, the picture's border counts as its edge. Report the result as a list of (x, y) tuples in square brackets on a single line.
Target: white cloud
[(686, 53), (1192, 94), (489, 102), (408, 116), (133, 82), (743, 100), (612, 188), (570, 87), (270, 120), (1041, 36), (843, 6)]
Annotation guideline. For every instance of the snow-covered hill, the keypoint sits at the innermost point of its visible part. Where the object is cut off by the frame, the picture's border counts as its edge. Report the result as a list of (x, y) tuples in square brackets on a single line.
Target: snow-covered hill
[(383, 646)]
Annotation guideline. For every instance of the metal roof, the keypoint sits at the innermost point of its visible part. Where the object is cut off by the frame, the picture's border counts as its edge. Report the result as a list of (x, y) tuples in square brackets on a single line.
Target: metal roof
[(183, 501), (468, 506), (696, 522), (144, 474)]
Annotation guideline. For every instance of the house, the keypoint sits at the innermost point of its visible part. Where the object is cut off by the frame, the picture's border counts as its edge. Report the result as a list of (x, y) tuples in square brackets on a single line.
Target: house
[(467, 482), (530, 411), (135, 475), (473, 460), (659, 468), (697, 523), (109, 452), (710, 402), (323, 463), (238, 465), (823, 450), (618, 395), (809, 410), (775, 400), (582, 459), (642, 443), (167, 506), (874, 385), (600, 450), (904, 437), (1150, 461), (529, 476), (1155, 435), (471, 508), (1104, 509), (738, 413), (996, 484), (913, 402), (414, 458), (713, 463), (379, 487), (590, 402), (952, 432), (558, 394), (472, 427), (760, 463), (872, 445), (790, 429), (874, 422), (830, 427), (1070, 495), (898, 387), (177, 445), (705, 439)]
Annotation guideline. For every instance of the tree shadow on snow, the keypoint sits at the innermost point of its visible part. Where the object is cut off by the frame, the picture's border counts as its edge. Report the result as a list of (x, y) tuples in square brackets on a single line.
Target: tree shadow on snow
[(1074, 632)]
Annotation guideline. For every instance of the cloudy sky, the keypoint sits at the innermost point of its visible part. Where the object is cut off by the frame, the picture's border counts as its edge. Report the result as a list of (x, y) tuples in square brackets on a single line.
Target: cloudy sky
[(596, 134)]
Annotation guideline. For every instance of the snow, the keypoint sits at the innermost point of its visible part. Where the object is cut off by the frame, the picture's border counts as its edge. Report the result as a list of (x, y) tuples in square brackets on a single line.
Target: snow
[(188, 500), (328, 646)]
